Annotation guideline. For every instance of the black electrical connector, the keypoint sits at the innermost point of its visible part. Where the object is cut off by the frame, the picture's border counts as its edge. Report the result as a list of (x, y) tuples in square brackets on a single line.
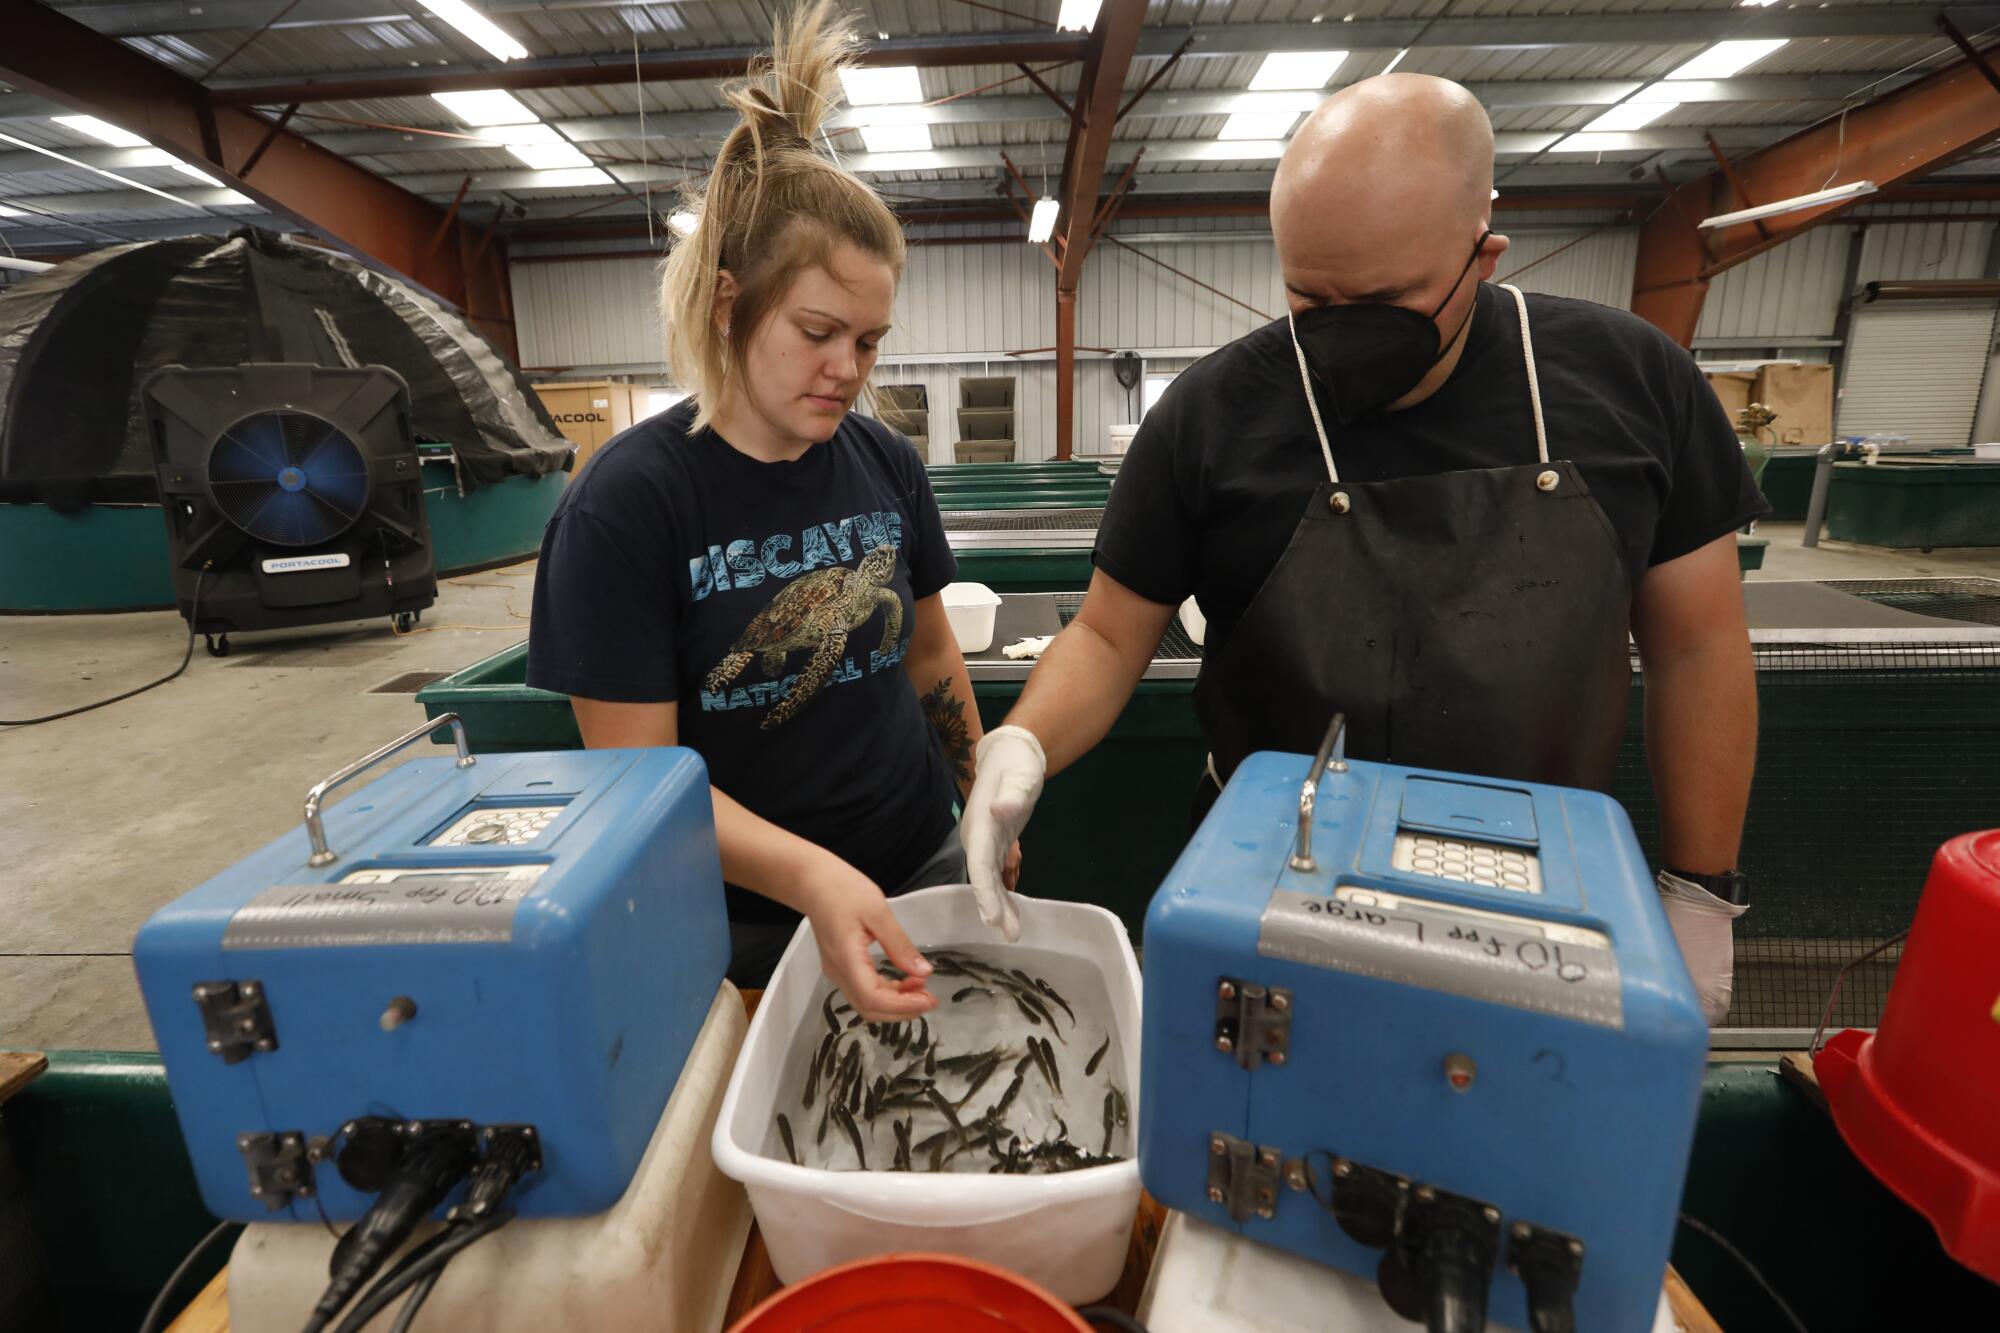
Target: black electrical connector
[(1441, 1265), (1550, 1266), (438, 1155)]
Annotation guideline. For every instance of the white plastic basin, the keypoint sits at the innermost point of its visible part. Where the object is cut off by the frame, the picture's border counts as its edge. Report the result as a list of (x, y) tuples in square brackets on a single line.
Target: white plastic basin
[(1068, 1232), (970, 608)]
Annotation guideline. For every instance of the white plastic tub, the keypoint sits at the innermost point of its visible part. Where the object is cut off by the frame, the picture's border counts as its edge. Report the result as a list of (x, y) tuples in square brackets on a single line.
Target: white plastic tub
[(660, 1260), (1194, 622), (1987, 452), (1121, 438), (1068, 1232), (970, 608)]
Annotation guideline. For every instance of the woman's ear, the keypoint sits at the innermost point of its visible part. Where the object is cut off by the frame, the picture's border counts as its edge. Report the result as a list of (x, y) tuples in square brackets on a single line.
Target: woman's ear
[(725, 300)]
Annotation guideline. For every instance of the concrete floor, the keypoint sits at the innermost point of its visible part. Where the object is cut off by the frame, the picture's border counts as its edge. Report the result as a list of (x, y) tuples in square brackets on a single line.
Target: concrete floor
[(106, 816)]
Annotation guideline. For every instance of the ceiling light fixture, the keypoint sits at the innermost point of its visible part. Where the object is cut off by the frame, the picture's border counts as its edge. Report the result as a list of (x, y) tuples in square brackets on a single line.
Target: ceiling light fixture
[(561, 176), (1851, 190), (683, 223), (1725, 59), (1042, 225), (896, 138), (1283, 70), (197, 173), (108, 175), (101, 130), (489, 35), (876, 85), (1258, 125), (1629, 116), (485, 106), (1077, 15), (548, 156), (1391, 67)]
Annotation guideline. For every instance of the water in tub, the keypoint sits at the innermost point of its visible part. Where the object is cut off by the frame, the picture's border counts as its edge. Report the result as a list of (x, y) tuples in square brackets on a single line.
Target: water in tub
[(1018, 1070)]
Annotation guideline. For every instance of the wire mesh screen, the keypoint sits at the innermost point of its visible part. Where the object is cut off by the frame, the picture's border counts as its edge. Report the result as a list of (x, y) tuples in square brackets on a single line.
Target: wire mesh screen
[(1976, 601), (1022, 520)]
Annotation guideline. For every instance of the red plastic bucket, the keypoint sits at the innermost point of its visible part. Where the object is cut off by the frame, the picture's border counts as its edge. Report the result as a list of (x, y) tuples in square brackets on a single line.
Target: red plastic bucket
[(912, 1293)]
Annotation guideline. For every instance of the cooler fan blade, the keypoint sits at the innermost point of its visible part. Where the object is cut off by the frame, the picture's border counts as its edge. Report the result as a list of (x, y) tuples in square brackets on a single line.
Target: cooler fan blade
[(288, 478)]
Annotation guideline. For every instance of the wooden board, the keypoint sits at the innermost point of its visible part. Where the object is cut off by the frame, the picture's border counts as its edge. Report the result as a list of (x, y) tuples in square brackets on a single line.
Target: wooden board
[(1797, 1070), (1688, 1311), (208, 1312), (18, 1069)]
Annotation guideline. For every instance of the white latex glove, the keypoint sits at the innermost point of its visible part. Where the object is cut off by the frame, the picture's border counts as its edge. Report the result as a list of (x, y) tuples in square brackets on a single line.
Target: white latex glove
[(1703, 924), (1010, 766)]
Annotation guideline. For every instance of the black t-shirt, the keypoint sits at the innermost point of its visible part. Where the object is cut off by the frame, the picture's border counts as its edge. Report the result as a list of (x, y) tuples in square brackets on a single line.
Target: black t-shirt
[(775, 603), (1221, 470)]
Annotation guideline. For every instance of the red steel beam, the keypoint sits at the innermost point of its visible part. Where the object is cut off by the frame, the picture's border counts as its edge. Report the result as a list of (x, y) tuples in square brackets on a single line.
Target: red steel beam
[(1908, 133), (58, 58), (1113, 42), (1000, 48)]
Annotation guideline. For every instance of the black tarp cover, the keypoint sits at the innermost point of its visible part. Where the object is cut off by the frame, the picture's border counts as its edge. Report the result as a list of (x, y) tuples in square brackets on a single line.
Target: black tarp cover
[(77, 342)]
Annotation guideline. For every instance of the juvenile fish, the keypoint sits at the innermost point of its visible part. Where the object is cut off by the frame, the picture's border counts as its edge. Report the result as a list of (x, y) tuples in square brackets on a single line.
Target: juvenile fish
[(1049, 1065), (1007, 1097), (854, 1022), (1050, 991), (826, 1012), (1091, 1067), (968, 993), (923, 1035), (812, 1082), (854, 1136), (854, 1094), (937, 1158), (958, 1064), (978, 1080), (1031, 1002), (825, 1111), (902, 1128), (937, 1099), (930, 1061), (785, 1133), (1033, 1017)]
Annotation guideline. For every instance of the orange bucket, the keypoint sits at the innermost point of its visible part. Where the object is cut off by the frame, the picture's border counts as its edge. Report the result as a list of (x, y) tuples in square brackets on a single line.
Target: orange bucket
[(912, 1293)]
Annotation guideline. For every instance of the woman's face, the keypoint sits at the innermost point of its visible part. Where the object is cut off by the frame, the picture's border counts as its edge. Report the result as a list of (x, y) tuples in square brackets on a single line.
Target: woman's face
[(804, 368)]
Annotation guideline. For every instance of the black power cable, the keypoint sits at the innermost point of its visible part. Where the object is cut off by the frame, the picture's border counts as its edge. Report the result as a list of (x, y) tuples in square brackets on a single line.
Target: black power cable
[(1105, 1314), (448, 1243), (442, 1155), (194, 613), (156, 1313), (1700, 1227)]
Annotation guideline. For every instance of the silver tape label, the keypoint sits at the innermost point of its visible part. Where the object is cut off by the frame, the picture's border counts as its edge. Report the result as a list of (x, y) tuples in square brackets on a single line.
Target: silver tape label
[(1564, 971), (427, 909)]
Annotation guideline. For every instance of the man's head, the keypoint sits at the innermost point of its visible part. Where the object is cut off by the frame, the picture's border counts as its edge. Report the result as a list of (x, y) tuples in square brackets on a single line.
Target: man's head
[(1381, 197)]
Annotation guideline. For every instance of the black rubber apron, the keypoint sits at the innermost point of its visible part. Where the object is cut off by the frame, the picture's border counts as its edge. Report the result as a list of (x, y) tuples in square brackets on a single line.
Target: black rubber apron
[(1471, 621)]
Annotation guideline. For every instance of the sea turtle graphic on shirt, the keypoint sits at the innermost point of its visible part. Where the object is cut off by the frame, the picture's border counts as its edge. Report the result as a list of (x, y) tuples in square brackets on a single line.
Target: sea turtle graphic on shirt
[(817, 612)]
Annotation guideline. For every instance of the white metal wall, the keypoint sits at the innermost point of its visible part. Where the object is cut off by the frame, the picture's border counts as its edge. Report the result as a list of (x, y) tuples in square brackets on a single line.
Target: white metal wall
[(588, 312), (1792, 291), (1924, 251), (1915, 368), (1573, 263)]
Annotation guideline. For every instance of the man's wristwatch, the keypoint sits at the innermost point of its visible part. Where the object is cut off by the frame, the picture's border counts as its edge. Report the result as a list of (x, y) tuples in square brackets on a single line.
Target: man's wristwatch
[(1732, 886)]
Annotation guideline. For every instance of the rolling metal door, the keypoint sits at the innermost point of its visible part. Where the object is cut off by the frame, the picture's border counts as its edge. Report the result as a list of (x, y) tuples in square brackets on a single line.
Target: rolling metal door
[(1915, 368)]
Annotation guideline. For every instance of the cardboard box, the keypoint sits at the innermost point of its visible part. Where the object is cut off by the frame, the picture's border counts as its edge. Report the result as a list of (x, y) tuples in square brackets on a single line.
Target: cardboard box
[(589, 412), (1802, 396), (1735, 389)]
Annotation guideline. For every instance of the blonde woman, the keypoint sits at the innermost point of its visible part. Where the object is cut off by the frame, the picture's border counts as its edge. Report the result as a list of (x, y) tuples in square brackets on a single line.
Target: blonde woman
[(755, 572)]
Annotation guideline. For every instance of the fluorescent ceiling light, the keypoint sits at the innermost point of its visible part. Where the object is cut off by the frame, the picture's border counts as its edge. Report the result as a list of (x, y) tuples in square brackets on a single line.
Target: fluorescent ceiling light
[(570, 176), (1390, 68), (108, 175), (896, 138), (548, 156), (485, 106), (1296, 69), (1629, 116), (511, 136), (1726, 58), (231, 199), (478, 27), (1043, 224), (1615, 142), (868, 85), (1258, 125), (683, 223), (196, 172), (876, 164), (1851, 190), (150, 156), (1757, 4), (102, 131), (1077, 15), (6, 212)]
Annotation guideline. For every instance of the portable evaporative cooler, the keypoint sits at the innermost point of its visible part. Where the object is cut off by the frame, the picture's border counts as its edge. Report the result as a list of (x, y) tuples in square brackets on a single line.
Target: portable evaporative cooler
[(292, 496)]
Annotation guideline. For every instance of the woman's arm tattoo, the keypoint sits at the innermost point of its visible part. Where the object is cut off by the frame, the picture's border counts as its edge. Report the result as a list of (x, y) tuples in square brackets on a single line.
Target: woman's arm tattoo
[(946, 714)]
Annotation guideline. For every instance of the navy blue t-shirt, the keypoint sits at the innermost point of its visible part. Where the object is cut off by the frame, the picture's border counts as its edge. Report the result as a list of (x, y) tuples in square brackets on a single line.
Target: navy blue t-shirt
[(774, 602)]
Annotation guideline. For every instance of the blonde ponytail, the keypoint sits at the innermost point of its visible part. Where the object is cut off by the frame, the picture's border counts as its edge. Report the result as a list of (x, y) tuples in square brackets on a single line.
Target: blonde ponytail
[(772, 206)]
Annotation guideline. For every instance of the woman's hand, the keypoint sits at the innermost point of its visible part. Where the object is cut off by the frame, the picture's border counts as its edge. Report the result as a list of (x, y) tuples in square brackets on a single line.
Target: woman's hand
[(849, 913)]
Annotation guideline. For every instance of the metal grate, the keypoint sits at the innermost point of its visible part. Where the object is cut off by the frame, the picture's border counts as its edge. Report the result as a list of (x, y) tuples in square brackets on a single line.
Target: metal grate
[(409, 682), (1976, 601), (1175, 647), (1022, 520)]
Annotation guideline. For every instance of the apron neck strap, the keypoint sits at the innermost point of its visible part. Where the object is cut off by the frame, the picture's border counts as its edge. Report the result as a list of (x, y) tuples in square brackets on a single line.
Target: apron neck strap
[(1527, 361)]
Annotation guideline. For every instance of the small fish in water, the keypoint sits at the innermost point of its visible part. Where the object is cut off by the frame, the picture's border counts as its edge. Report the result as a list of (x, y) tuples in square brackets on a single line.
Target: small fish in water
[(854, 1136), (930, 1061), (1032, 1016), (1031, 1002), (902, 1128), (812, 1082), (1118, 1102), (830, 1055), (1091, 1067), (946, 965), (854, 1022), (825, 1112), (826, 1011), (968, 992), (854, 1095), (937, 1099), (937, 1157), (1110, 1120), (1050, 991), (923, 1034), (1030, 1060), (979, 1077), (1007, 1097), (958, 1064), (1049, 1065), (785, 1133)]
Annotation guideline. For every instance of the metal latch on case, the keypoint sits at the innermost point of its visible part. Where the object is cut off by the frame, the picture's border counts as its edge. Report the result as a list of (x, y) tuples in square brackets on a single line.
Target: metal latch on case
[(1253, 1024)]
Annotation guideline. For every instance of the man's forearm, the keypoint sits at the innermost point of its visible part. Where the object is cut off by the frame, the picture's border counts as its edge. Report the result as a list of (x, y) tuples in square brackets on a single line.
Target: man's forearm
[(1701, 743), (944, 687), (1076, 692)]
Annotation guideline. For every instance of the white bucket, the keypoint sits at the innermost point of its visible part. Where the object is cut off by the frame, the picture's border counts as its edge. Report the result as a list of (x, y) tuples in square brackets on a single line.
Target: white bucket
[(1194, 622), (662, 1258), (1121, 438), (1987, 452), (970, 608), (1068, 1232)]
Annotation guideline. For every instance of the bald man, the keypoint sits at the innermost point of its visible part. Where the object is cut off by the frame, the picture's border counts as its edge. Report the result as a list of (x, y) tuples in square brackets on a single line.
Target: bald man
[(1435, 505)]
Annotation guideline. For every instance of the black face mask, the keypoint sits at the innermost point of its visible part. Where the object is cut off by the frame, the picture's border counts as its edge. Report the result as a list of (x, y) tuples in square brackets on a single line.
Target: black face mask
[(1367, 355)]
